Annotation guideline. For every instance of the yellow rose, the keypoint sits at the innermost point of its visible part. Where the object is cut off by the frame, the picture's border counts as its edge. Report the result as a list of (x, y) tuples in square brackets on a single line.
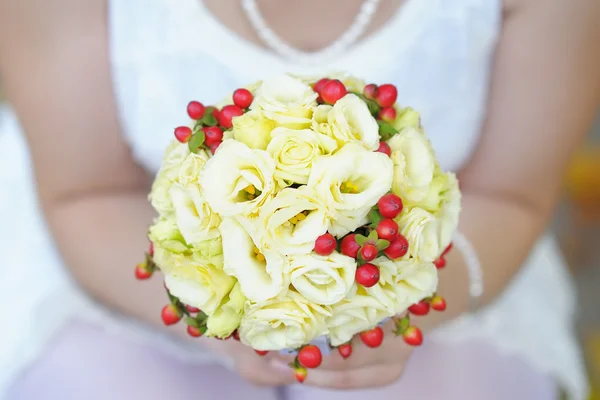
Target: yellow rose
[(238, 180), (350, 182), (253, 129), (403, 283), (228, 316), (323, 280), (191, 167), (200, 285), (406, 118), (174, 156), (294, 152), (414, 165), (195, 219), (258, 269), (351, 121), (449, 211), (287, 101), (164, 232), (292, 221), (353, 315), (420, 228), (282, 323)]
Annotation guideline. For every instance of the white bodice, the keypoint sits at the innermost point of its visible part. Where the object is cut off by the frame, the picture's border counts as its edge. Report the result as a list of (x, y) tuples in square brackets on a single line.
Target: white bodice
[(165, 53)]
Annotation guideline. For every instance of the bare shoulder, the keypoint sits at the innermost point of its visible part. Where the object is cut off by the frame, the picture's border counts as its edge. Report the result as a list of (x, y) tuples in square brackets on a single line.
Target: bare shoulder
[(515, 6), (54, 59)]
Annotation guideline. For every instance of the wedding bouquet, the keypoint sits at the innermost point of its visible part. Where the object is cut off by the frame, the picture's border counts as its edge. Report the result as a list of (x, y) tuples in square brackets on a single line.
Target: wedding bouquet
[(300, 213)]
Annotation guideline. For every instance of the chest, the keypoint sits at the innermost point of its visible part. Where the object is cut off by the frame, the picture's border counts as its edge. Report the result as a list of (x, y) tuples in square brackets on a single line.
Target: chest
[(438, 55)]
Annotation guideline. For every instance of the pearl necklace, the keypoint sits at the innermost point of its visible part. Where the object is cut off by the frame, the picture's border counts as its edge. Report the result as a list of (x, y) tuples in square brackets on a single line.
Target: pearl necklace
[(270, 38)]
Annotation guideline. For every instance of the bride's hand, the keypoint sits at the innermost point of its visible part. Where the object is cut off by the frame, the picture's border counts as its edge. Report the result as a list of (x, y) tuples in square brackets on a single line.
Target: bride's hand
[(365, 368), (256, 369)]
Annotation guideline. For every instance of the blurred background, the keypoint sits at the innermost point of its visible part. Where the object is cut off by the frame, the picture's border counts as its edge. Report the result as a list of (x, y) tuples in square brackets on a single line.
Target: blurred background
[(577, 226)]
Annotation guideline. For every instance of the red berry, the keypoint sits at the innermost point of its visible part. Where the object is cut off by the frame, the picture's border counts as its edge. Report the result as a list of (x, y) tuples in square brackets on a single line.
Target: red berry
[(325, 244), (367, 275), (368, 252), (390, 205), (193, 331), (438, 303), (413, 336), (227, 114), (195, 110), (212, 135), (192, 309), (384, 148), (440, 263), (310, 356), (349, 246), (242, 98), (372, 338), (236, 335), (262, 352), (141, 272), (370, 91), (215, 112), (333, 91), (420, 308), (213, 147), (300, 374), (387, 95), (387, 114), (345, 350), (320, 84), (183, 133), (397, 248), (151, 249), (387, 229), (170, 314), (447, 250)]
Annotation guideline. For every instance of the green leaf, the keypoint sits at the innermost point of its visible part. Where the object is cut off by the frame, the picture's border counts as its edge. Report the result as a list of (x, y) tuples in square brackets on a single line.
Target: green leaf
[(386, 131), (209, 119), (191, 322), (402, 325), (382, 244), (360, 239), (371, 104), (196, 142), (373, 235), (375, 217)]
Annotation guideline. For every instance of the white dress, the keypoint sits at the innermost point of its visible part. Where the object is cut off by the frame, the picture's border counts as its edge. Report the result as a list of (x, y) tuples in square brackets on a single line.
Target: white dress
[(167, 52)]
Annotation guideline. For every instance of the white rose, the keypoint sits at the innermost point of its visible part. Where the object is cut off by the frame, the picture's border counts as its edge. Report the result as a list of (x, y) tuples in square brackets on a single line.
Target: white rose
[(414, 165), (200, 285), (420, 228), (350, 182), (292, 221), (238, 180), (283, 323), (294, 152), (191, 167), (195, 219), (287, 101), (258, 269), (351, 121), (323, 280), (253, 129), (354, 315)]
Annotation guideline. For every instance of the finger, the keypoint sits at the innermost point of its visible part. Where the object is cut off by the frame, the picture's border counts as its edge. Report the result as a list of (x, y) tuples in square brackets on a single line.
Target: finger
[(260, 371), (393, 350), (362, 378)]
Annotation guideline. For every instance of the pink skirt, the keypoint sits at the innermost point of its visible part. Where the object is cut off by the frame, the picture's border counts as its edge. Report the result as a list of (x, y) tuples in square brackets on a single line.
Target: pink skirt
[(86, 363)]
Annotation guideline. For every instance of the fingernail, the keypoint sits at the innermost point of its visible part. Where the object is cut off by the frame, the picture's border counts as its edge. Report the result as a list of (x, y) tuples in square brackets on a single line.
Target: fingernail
[(281, 366)]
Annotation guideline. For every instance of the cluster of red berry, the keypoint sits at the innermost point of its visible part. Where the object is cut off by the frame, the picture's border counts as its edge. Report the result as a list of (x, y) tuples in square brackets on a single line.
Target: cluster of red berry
[(211, 122), (384, 239)]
